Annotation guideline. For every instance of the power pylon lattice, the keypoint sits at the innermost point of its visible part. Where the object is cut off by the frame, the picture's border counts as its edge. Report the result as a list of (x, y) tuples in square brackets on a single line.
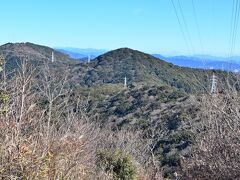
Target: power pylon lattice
[(125, 82), (53, 58), (1, 63), (214, 84), (89, 58), (3, 71)]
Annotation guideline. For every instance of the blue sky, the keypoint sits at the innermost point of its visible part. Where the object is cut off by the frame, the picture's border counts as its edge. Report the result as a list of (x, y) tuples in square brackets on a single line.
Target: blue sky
[(146, 25)]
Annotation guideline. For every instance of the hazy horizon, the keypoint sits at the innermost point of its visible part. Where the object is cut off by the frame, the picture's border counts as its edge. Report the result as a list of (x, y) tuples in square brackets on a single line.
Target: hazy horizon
[(149, 52)]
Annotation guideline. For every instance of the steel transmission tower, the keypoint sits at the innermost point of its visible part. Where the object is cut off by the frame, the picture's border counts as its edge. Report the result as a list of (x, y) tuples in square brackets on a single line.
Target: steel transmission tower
[(53, 58), (214, 84), (3, 71), (89, 58), (1, 63), (125, 82)]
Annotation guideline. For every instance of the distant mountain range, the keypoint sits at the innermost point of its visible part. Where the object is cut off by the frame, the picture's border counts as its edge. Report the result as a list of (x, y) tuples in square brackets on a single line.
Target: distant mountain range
[(196, 61), (204, 62), (82, 54)]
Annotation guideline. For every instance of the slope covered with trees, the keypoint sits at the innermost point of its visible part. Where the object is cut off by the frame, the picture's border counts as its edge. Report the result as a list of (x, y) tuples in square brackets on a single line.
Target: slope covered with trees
[(142, 68), (71, 120)]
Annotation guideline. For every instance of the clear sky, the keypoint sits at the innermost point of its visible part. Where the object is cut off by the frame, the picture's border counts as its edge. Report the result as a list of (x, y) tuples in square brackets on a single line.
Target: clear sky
[(146, 25)]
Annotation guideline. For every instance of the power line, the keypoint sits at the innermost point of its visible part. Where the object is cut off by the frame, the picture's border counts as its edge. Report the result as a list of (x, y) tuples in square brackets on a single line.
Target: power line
[(233, 21), (197, 25), (198, 30), (180, 24), (231, 29), (234, 26), (186, 27)]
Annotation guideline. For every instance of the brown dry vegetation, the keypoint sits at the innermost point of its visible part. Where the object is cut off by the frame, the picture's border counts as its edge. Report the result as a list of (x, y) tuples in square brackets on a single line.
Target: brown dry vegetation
[(217, 150), (45, 134), (43, 137)]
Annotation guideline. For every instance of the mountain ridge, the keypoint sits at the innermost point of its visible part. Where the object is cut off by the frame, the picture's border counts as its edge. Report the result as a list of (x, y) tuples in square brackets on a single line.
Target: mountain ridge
[(195, 61), (30, 49), (81, 53), (142, 68), (112, 67), (203, 62)]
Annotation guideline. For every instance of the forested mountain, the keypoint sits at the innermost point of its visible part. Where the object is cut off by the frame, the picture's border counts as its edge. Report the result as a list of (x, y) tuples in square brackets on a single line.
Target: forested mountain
[(160, 108), (142, 68)]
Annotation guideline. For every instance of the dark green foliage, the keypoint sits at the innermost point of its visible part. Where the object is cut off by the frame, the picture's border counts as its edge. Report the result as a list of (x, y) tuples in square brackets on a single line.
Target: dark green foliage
[(175, 95), (112, 67), (120, 166), (42, 102), (171, 160), (140, 107), (173, 122), (156, 100), (3, 97), (142, 68), (182, 136), (123, 108)]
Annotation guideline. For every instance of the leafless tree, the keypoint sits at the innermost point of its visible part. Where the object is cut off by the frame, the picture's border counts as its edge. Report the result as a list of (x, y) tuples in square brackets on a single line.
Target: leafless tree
[(42, 136), (217, 152)]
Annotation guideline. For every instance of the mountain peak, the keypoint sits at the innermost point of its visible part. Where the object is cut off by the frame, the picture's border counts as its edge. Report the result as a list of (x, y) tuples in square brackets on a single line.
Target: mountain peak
[(30, 51), (124, 54), (124, 49), (22, 45)]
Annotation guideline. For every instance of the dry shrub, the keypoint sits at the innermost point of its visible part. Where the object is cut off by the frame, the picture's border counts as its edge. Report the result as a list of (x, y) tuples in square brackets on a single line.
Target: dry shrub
[(131, 144), (42, 136), (217, 152), (49, 142)]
